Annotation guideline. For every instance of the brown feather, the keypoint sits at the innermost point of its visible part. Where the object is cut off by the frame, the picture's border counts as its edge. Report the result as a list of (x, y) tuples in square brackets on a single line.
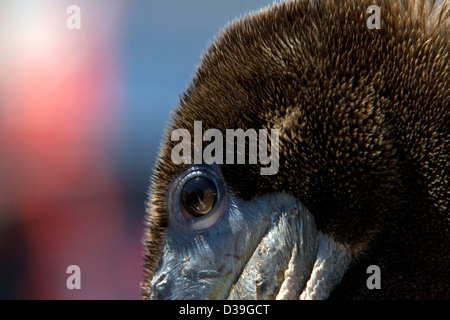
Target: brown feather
[(364, 118)]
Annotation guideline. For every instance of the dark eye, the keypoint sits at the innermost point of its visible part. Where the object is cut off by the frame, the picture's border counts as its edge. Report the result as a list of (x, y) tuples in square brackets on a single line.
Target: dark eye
[(198, 196)]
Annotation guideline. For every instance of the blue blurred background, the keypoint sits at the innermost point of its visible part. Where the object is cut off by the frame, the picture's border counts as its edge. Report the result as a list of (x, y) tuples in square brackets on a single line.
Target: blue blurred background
[(81, 116)]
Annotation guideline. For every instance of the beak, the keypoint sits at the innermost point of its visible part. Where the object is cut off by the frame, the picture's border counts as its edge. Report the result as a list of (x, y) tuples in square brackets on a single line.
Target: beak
[(266, 248)]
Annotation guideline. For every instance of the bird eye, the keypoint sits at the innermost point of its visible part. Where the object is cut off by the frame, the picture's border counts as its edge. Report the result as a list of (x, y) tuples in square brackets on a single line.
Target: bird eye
[(198, 196)]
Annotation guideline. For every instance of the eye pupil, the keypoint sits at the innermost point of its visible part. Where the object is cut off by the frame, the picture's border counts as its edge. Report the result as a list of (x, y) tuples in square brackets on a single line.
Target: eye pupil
[(199, 196)]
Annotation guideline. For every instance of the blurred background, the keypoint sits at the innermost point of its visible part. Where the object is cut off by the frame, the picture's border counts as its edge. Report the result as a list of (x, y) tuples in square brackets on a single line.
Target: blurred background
[(81, 116)]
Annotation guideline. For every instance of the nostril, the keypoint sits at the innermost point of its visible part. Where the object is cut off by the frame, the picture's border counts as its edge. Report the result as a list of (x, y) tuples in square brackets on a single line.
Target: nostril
[(208, 274)]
